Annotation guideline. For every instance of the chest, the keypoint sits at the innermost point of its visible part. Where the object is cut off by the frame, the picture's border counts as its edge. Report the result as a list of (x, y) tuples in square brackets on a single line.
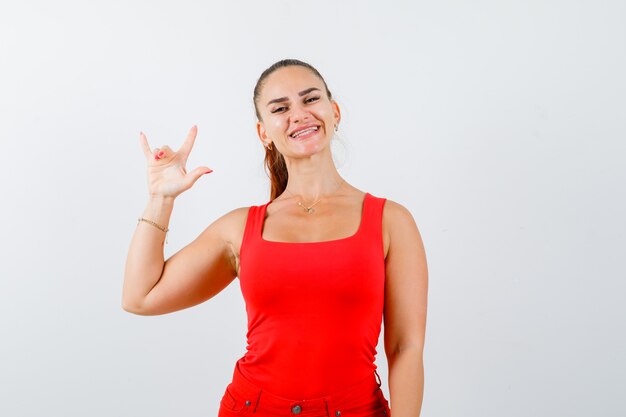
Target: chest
[(297, 225), (283, 277)]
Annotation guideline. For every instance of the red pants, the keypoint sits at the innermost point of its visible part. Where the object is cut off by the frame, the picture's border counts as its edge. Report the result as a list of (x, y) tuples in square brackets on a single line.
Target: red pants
[(364, 399)]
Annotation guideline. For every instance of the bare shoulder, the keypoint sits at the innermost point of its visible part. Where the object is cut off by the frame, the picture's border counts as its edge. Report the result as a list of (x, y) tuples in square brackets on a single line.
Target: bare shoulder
[(230, 226), (399, 226), (396, 212), (234, 218)]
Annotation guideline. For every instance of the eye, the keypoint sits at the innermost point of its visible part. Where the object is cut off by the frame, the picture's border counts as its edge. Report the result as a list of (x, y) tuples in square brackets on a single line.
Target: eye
[(276, 110), (311, 99)]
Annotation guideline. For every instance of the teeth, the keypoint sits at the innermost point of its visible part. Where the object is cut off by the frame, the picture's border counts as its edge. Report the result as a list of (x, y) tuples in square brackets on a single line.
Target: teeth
[(310, 129)]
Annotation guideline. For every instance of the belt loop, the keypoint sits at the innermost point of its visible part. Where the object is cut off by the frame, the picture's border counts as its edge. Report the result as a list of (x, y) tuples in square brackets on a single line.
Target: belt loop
[(379, 380)]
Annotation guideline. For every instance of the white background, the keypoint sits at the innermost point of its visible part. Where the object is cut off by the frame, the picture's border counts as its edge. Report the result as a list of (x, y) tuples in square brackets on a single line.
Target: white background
[(499, 124)]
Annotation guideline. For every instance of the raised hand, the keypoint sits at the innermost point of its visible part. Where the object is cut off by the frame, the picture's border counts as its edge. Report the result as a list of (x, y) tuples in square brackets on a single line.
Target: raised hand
[(167, 176)]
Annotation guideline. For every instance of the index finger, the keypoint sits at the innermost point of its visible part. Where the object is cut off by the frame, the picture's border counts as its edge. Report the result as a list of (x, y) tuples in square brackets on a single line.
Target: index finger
[(185, 148), (144, 145)]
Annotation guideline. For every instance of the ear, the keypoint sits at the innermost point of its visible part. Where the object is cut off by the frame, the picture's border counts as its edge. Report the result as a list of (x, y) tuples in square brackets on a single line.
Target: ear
[(336, 111), (260, 130)]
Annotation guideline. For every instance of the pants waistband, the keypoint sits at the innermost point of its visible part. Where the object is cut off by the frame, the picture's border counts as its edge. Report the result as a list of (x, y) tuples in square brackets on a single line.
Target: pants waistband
[(255, 397)]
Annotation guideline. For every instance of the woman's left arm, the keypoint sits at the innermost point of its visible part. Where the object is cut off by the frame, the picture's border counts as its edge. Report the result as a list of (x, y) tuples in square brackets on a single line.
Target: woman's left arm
[(406, 297)]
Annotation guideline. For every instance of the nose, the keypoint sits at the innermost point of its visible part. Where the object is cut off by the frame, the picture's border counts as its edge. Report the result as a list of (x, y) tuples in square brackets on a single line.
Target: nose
[(299, 113)]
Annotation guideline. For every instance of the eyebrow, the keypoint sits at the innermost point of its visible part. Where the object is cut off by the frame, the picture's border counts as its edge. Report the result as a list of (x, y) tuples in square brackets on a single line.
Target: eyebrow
[(301, 93)]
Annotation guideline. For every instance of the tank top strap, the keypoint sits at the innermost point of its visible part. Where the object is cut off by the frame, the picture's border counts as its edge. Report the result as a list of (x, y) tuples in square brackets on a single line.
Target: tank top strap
[(372, 217), (252, 231)]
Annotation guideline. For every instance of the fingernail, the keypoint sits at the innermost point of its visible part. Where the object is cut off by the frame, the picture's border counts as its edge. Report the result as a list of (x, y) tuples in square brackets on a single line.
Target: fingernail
[(209, 171), (157, 157), (161, 154)]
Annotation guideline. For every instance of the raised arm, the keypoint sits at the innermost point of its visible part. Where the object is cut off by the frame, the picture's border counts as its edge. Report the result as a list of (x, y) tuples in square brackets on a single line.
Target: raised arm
[(195, 273)]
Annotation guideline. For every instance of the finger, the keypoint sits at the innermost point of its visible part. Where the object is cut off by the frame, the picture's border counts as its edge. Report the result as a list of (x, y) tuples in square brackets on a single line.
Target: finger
[(143, 141), (192, 176), (162, 153), (166, 149), (159, 154), (185, 148)]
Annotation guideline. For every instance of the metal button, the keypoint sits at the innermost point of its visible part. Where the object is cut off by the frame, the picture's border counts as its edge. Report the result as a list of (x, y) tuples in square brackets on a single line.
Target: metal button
[(248, 403), (337, 413), (296, 409)]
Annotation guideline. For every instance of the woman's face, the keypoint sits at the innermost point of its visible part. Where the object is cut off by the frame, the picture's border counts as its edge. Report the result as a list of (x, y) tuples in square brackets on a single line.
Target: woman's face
[(293, 100)]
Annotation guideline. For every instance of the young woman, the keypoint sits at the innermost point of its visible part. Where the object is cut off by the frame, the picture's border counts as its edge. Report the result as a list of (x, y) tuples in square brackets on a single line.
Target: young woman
[(320, 265)]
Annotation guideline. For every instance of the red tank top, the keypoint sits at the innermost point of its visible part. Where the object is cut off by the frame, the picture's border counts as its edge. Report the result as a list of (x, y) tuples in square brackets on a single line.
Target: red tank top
[(314, 308)]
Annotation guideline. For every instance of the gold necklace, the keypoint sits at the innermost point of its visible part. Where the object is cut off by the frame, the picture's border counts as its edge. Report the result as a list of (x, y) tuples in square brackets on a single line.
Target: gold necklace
[(310, 209)]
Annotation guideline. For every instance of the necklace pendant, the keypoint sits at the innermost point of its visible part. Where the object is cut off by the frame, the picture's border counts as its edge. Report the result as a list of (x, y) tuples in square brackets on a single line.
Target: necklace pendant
[(309, 210)]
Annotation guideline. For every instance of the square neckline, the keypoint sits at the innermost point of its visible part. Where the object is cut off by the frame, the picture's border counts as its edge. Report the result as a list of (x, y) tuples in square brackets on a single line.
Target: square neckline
[(354, 235)]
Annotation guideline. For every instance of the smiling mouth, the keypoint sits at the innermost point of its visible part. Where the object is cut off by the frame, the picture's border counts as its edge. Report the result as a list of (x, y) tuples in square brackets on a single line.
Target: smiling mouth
[(305, 132)]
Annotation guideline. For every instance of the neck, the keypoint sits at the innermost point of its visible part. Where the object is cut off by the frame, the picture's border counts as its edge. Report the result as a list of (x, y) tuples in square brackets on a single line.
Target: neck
[(312, 178)]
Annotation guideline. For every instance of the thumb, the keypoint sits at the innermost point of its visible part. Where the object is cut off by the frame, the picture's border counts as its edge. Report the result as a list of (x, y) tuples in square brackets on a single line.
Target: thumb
[(192, 176)]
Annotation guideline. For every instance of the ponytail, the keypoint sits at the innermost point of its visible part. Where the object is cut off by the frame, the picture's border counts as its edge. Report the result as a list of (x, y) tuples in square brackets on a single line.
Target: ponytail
[(276, 169)]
